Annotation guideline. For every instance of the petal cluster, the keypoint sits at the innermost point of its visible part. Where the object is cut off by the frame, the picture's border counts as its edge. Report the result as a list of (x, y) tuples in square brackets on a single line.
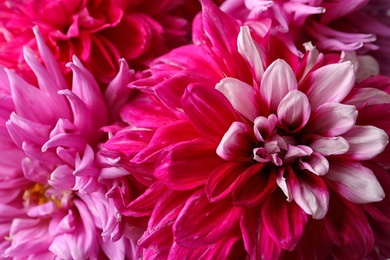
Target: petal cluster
[(246, 151), (52, 203)]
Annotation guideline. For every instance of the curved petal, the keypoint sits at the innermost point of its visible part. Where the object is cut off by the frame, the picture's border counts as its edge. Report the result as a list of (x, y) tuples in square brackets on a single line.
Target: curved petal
[(332, 119), (365, 142), (278, 80), (208, 110), (241, 95), (186, 228), (315, 163), (237, 143), (355, 182), (332, 82), (186, 165), (284, 221), (294, 110), (328, 145)]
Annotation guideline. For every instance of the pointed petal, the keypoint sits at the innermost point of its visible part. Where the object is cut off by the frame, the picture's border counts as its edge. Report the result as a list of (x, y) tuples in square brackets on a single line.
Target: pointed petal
[(284, 221), (222, 180), (332, 119), (247, 48), (329, 83), (208, 110), (186, 228), (278, 80), (294, 110), (365, 142), (355, 182), (186, 165), (241, 95)]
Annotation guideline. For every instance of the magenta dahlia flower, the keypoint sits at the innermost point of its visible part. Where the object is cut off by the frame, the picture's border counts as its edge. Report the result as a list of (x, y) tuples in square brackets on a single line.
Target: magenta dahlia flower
[(51, 202), (98, 32), (339, 25), (246, 152)]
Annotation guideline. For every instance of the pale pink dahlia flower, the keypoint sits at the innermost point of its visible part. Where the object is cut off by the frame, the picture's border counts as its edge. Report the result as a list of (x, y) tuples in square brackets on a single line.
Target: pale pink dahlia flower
[(98, 32), (249, 153), (51, 202), (340, 25)]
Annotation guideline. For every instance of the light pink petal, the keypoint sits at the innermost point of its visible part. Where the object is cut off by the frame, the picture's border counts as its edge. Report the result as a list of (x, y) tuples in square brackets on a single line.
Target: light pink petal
[(85, 165), (75, 141), (43, 210), (296, 151), (209, 111), (278, 80), (281, 180), (310, 193), (187, 165), (284, 221), (365, 142), (241, 95), (329, 145), (329, 83), (62, 178), (86, 88), (367, 96), (237, 143), (315, 163), (264, 127), (186, 229), (294, 110), (332, 119), (248, 49), (117, 92), (223, 179), (355, 182)]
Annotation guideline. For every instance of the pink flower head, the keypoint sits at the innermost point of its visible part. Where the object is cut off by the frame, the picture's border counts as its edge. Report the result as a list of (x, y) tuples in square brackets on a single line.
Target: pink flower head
[(98, 32), (51, 202), (251, 153), (331, 25)]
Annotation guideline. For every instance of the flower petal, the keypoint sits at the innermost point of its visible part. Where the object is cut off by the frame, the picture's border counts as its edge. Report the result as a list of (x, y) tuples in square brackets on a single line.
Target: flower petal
[(355, 182), (241, 95), (328, 145), (294, 110), (277, 81), (332, 119), (329, 83), (315, 163), (208, 110), (186, 165), (186, 228), (237, 143), (365, 142)]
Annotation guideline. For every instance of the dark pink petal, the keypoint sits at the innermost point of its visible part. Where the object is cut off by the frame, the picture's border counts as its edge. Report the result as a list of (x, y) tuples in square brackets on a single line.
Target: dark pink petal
[(329, 83), (222, 180), (166, 135), (332, 119), (294, 110), (355, 182), (187, 165), (250, 227), (75, 141), (365, 142), (310, 193), (328, 145), (253, 186), (355, 239), (187, 229), (237, 143), (278, 80), (209, 111), (241, 95), (284, 221)]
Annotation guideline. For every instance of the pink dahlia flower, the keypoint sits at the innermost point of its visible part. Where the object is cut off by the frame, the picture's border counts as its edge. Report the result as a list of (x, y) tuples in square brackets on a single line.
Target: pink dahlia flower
[(98, 32), (331, 25), (51, 202), (247, 152)]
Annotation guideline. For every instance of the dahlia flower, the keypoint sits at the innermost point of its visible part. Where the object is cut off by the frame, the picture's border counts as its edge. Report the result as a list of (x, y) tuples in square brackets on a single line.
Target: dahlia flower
[(51, 202), (98, 32), (331, 25), (245, 151)]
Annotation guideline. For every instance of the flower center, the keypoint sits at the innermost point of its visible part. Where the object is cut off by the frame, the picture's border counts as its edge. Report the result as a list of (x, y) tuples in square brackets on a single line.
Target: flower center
[(40, 194)]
